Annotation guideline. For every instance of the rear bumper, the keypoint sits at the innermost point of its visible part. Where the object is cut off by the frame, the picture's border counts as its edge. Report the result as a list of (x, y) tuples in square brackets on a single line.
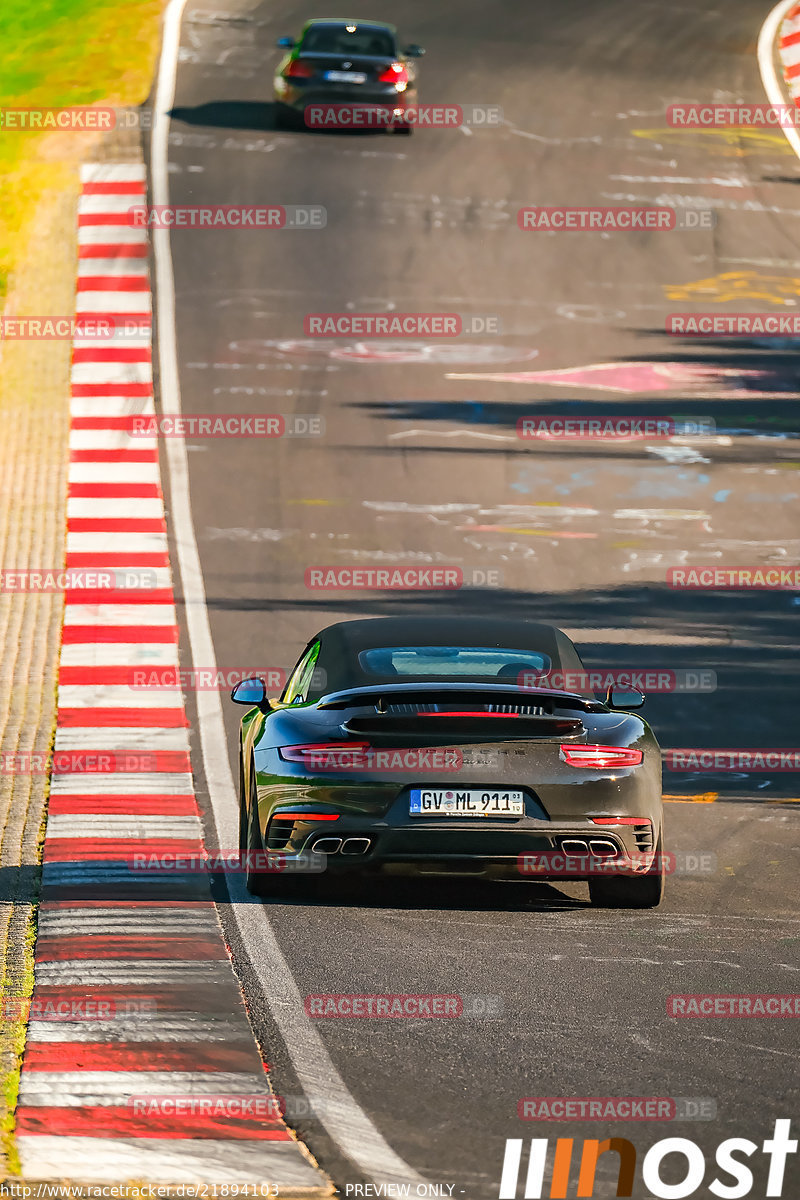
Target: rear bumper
[(299, 98), (575, 851)]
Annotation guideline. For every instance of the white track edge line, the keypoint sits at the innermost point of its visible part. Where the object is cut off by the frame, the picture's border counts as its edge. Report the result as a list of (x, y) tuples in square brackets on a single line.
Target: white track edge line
[(345, 1121)]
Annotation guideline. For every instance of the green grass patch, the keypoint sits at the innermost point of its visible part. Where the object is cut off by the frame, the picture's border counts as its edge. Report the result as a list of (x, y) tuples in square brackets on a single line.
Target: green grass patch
[(55, 53)]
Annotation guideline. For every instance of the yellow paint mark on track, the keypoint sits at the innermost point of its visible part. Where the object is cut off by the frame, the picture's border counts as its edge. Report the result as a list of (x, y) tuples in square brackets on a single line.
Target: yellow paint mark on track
[(738, 285), (702, 798), (730, 143)]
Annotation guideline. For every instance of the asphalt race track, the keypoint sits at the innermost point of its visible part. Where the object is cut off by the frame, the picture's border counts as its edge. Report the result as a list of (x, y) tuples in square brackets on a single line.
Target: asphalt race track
[(418, 466)]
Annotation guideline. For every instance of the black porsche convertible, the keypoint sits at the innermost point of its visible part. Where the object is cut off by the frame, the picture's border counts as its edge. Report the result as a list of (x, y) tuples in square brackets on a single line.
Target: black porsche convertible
[(434, 746)]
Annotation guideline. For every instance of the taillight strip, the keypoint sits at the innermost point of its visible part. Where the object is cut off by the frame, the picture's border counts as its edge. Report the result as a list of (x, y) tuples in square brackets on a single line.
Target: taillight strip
[(600, 757)]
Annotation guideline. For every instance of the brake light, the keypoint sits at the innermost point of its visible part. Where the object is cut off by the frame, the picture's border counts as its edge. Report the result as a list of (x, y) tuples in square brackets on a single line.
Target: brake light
[(620, 820), (396, 73), (600, 757), (322, 754), (297, 69)]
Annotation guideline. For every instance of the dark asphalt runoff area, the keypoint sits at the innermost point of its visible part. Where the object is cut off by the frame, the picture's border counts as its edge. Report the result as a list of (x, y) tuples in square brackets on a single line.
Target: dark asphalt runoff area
[(420, 464)]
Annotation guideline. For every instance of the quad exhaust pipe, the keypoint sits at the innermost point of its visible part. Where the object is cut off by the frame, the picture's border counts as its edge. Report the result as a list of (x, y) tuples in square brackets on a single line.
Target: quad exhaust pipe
[(603, 848), (326, 846), (575, 847), (330, 845), (597, 847), (356, 845)]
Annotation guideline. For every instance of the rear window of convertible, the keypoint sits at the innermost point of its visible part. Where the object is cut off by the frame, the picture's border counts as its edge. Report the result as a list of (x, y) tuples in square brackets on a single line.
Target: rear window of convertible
[(431, 662)]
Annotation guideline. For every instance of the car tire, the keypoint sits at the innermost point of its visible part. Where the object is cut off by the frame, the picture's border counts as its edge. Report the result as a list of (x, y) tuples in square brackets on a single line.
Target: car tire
[(404, 130), (263, 883), (631, 891)]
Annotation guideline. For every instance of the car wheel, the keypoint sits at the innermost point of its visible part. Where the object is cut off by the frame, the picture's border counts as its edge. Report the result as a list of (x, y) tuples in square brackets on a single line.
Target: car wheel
[(630, 891), (404, 129), (260, 882)]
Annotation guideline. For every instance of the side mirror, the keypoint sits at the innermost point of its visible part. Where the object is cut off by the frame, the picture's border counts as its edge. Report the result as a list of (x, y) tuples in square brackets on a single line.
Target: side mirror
[(285, 43), (413, 51), (624, 698), (249, 691)]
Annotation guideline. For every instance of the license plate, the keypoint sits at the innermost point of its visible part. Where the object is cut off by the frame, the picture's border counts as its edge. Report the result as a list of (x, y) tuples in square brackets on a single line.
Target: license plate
[(469, 802), (345, 77)]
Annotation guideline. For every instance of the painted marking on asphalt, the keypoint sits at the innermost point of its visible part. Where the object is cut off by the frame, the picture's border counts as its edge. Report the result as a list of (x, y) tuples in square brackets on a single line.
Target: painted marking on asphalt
[(702, 798)]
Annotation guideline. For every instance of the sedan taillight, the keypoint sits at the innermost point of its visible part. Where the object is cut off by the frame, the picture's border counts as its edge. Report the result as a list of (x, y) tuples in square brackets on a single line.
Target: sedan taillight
[(396, 73), (600, 757), (298, 70)]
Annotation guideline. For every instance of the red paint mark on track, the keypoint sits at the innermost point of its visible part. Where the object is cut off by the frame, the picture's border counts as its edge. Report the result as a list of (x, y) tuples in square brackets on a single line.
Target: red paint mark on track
[(125, 851), (113, 283), (108, 491), (191, 949), (113, 389), (108, 1122), (131, 805), (143, 1056), (74, 634), (122, 718), (99, 762), (116, 525)]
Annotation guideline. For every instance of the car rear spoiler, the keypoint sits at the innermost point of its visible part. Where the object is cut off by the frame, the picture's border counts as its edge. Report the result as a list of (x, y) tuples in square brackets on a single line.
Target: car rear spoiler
[(455, 693)]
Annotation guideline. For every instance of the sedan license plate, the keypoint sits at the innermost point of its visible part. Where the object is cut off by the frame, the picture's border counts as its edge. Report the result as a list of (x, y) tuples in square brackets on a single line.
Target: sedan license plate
[(345, 77), (469, 802)]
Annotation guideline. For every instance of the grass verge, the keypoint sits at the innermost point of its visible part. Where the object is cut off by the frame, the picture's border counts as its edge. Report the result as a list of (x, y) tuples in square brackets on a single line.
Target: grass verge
[(53, 54)]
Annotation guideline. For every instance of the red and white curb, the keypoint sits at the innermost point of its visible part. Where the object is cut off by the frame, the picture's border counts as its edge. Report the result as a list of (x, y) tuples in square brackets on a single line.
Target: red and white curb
[(135, 996), (789, 51)]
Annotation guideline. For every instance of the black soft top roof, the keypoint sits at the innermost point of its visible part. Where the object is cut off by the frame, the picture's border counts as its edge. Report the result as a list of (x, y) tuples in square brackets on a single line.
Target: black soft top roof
[(341, 643)]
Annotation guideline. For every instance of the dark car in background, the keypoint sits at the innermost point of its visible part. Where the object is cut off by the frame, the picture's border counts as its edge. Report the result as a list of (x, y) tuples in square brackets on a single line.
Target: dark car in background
[(348, 63), (425, 745)]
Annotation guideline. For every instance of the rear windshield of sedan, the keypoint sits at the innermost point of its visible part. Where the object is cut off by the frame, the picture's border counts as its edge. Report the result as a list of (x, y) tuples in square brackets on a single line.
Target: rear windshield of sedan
[(431, 662), (332, 39)]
